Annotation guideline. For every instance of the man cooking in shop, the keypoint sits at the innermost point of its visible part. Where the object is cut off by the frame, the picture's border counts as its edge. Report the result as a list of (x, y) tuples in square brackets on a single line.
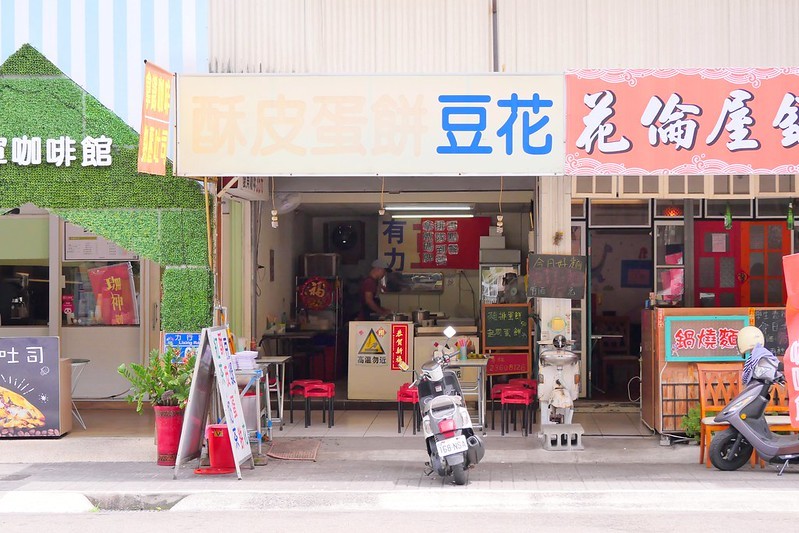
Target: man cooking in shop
[(370, 292)]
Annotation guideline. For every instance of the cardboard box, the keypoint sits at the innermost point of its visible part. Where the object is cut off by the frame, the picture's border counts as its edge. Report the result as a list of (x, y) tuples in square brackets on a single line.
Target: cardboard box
[(492, 242)]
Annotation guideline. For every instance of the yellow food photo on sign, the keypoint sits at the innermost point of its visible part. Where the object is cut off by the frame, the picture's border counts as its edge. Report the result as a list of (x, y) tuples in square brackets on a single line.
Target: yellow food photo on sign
[(17, 412)]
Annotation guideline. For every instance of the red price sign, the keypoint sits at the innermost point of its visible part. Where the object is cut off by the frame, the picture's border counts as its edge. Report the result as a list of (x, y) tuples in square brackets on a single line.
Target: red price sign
[(316, 294)]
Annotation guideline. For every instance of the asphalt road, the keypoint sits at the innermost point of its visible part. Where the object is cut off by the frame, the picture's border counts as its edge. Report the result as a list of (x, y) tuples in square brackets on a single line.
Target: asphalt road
[(581, 519)]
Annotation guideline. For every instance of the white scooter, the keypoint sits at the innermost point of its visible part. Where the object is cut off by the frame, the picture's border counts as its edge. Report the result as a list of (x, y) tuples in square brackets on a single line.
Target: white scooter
[(558, 381)]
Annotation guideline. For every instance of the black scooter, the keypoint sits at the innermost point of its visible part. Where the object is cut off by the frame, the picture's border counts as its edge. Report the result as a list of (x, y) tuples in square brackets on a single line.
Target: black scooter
[(732, 448)]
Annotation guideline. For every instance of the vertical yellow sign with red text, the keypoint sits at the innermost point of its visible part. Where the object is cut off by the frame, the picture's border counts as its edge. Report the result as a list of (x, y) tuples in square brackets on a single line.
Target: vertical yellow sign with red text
[(154, 135), (790, 265)]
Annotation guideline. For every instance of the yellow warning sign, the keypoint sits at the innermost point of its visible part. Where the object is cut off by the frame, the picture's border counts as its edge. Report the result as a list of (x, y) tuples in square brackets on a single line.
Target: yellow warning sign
[(371, 345)]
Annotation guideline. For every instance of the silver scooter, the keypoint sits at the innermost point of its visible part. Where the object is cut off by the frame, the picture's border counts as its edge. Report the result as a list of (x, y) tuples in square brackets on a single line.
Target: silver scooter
[(731, 449), (452, 445)]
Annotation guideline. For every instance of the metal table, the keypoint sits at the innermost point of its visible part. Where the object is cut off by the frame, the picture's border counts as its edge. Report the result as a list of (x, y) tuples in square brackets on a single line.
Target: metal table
[(279, 362), (255, 376), (472, 387), (78, 366)]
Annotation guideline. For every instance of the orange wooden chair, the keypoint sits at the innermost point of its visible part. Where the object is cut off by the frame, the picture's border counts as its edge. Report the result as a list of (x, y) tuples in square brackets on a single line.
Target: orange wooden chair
[(718, 384)]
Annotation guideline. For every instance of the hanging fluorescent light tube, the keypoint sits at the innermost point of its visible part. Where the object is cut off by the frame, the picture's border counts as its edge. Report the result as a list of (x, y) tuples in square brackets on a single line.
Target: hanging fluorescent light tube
[(428, 207), (434, 215)]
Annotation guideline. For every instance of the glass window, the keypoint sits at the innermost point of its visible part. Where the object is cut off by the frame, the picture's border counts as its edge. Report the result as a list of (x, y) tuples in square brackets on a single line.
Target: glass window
[(738, 208), (675, 208), (578, 208), (626, 213), (100, 293), (24, 295), (669, 244), (772, 207)]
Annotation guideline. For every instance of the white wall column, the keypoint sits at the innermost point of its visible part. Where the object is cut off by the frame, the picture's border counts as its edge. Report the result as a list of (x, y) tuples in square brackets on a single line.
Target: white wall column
[(552, 219)]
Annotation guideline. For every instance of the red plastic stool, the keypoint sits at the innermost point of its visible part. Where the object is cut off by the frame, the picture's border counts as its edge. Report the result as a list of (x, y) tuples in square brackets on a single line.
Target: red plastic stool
[(524, 382), (496, 394), (408, 394), (517, 395), (326, 391), (533, 386), (297, 387)]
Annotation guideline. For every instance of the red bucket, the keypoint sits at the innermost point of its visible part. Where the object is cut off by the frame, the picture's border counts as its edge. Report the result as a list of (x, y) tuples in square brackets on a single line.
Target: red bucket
[(220, 454)]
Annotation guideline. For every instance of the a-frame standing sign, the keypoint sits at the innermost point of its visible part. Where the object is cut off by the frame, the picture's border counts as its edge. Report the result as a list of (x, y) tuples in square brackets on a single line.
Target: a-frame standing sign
[(214, 359)]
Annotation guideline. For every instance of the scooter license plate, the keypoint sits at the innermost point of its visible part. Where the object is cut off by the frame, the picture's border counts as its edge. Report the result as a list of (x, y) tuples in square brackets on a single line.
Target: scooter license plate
[(453, 445)]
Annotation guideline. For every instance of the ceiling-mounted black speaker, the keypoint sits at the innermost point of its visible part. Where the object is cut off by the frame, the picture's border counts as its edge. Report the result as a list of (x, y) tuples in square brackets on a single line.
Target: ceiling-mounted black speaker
[(345, 238)]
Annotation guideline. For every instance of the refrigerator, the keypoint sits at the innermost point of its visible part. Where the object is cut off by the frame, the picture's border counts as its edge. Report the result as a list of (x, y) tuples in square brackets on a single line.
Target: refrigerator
[(491, 280), (375, 350)]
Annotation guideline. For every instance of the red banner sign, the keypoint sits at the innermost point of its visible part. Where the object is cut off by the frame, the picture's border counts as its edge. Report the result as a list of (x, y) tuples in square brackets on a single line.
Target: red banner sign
[(399, 345), (790, 265), (154, 134), (682, 121), (116, 299), (507, 363)]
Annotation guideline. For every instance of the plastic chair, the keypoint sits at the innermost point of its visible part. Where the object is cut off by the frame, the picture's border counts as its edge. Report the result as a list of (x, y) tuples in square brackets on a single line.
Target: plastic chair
[(408, 394), (528, 384), (517, 395), (718, 384), (325, 391), (297, 388), (496, 394)]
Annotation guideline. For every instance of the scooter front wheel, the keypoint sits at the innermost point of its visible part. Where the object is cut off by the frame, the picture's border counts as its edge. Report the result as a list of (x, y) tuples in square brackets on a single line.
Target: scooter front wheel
[(459, 474), (720, 448)]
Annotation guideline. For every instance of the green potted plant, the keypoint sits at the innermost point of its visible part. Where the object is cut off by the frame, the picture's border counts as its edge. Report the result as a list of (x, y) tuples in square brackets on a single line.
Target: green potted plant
[(165, 381), (692, 424)]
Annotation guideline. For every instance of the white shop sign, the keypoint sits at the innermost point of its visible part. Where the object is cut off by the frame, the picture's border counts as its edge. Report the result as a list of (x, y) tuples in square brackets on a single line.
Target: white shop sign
[(304, 125), (83, 245)]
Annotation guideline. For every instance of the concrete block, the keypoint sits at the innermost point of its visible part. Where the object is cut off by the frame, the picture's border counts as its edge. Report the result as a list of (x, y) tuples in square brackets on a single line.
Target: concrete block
[(562, 437), (500, 256), (492, 241)]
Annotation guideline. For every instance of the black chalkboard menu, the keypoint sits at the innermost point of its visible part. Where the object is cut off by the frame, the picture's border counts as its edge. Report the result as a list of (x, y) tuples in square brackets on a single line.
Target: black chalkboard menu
[(506, 326), (29, 387), (771, 321), (556, 276)]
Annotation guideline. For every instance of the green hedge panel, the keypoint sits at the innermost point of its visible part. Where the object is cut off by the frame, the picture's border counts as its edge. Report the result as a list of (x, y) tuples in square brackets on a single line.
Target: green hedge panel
[(186, 304), (161, 218)]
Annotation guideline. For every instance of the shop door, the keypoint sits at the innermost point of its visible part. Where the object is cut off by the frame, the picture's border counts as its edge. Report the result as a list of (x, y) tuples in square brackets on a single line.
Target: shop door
[(717, 266), (762, 246), (741, 266)]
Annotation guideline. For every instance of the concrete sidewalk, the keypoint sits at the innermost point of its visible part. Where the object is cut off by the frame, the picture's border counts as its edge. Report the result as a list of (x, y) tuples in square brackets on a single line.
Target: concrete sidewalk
[(380, 472)]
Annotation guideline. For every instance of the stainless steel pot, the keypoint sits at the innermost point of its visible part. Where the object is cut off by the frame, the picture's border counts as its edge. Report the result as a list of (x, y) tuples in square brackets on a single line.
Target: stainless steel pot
[(420, 315), (398, 317)]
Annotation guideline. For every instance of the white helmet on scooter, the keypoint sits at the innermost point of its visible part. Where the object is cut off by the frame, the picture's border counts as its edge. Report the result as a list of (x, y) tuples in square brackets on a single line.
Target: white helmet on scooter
[(748, 338)]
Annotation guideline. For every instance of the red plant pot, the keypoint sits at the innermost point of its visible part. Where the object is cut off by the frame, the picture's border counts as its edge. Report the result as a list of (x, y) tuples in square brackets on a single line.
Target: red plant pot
[(168, 423)]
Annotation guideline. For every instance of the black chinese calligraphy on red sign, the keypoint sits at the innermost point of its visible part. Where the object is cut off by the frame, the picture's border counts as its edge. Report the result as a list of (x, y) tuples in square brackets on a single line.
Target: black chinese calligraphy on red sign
[(450, 243)]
